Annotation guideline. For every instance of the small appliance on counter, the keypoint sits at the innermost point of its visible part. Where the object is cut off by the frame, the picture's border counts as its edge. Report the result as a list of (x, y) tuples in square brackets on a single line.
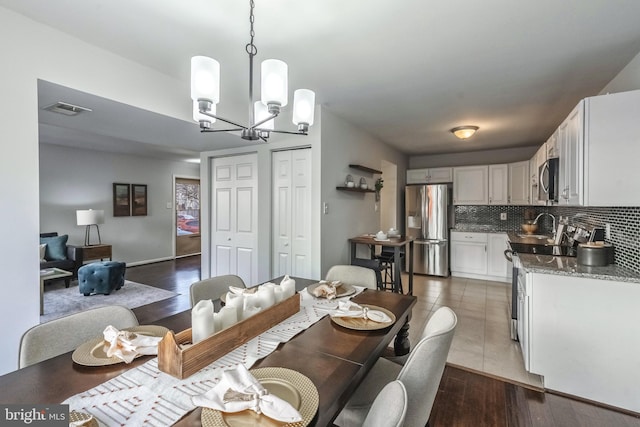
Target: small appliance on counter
[(595, 254)]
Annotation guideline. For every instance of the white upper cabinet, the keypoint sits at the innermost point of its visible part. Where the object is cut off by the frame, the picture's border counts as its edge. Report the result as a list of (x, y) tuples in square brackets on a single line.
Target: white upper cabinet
[(470, 185), (519, 183), (612, 150), (499, 184), (429, 175), (571, 139)]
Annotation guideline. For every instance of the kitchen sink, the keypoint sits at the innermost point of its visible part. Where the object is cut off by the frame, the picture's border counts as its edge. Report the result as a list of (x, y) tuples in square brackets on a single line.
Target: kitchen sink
[(541, 249), (533, 236)]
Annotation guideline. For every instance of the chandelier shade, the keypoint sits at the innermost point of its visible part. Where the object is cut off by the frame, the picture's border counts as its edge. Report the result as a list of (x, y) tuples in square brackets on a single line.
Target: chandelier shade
[(304, 101), (274, 85), (205, 79), (274, 94)]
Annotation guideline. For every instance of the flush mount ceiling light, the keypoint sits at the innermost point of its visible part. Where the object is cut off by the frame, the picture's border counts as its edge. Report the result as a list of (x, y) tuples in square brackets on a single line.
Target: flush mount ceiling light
[(66, 108), (464, 132), (205, 93)]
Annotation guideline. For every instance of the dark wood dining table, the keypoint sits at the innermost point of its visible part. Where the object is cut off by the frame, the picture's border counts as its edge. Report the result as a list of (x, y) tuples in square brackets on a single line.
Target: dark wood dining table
[(395, 242), (334, 358)]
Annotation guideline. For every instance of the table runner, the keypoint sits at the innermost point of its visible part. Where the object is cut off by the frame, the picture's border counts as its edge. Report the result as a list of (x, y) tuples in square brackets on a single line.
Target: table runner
[(146, 396)]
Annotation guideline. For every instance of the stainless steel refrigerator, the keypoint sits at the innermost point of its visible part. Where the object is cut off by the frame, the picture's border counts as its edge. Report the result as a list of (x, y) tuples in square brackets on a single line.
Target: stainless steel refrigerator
[(427, 211)]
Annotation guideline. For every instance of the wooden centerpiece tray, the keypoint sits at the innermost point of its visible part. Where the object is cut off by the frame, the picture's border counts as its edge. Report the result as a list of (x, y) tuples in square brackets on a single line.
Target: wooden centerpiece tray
[(181, 359)]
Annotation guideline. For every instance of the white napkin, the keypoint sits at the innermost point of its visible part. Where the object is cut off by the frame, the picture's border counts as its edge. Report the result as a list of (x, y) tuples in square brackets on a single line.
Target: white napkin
[(239, 390), (239, 291), (351, 309), (326, 289), (127, 345)]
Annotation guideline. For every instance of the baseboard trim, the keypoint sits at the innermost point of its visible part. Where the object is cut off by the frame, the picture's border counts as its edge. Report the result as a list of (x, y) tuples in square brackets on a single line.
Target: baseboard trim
[(481, 277), (150, 261)]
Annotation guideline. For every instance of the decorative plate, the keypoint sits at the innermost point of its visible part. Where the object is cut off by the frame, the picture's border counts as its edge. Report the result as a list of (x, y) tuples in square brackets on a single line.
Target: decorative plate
[(287, 384), (361, 324), (92, 353), (342, 290), (82, 419)]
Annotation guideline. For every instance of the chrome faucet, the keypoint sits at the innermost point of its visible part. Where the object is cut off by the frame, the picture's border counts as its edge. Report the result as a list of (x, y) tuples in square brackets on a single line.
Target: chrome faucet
[(535, 221)]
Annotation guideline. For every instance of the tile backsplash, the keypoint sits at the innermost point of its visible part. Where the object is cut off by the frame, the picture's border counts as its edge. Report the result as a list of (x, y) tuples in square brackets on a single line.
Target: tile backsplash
[(624, 223)]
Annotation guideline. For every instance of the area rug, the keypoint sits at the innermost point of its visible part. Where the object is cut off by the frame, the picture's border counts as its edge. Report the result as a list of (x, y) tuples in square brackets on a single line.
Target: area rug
[(60, 301)]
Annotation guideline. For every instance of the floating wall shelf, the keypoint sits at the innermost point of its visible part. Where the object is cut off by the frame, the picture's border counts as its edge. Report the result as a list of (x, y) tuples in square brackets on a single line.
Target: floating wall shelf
[(365, 168), (355, 189)]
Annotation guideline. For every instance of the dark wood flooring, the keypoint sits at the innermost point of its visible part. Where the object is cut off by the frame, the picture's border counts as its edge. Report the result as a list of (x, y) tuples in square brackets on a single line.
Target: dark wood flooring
[(464, 398)]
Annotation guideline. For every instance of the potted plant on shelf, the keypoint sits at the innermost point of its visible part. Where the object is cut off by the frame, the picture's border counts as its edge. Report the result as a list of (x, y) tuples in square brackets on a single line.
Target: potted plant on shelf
[(378, 187)]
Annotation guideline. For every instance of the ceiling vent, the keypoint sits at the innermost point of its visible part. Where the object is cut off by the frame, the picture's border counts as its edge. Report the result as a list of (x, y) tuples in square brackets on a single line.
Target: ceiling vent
[(66, 109)]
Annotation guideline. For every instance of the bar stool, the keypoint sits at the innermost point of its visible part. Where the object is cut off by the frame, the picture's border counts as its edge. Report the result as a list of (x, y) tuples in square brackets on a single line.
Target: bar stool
[(387, 264)]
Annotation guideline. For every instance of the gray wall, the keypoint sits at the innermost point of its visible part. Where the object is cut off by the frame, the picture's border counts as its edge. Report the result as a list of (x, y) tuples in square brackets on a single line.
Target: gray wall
[(351, 214), (627, 79), (39, 52), (72, 179)]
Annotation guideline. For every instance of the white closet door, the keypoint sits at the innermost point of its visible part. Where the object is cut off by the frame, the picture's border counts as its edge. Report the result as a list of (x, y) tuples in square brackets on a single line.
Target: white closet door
[(291, 212), (235, 217)]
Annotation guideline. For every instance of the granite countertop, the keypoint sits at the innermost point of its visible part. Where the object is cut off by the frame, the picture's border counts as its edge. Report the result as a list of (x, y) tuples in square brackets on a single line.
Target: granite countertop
[(568, 266), (477, 228)]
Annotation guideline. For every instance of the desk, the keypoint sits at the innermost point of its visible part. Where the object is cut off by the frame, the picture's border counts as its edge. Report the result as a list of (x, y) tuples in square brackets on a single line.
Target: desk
[(334, 358), (394, 242)]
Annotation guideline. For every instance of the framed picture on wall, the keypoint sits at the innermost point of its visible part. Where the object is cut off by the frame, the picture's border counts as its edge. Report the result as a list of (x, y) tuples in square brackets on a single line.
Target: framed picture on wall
[(121, 199), (138, 199)]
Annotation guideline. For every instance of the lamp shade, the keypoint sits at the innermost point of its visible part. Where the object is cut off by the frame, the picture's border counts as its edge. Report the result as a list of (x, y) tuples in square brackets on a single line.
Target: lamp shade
[(274, 86), (261, 112), (304, 101), (205, 79), (89, 217), (464, 132), (199, 117)]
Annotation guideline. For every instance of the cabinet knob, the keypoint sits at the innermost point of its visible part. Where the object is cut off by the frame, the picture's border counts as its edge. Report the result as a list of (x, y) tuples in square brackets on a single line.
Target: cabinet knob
[(229, 238)]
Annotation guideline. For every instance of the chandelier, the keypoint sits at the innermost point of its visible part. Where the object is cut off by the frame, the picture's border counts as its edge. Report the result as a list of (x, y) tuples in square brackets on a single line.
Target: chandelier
[(205, 92)]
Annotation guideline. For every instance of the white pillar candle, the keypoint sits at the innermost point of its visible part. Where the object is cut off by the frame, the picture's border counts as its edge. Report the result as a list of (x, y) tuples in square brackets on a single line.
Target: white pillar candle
[(288, 287), (278, 293), (228, 316), (236, 301), (266, 297), (202, 324), (217, 321), (250, 311), (251, 301)]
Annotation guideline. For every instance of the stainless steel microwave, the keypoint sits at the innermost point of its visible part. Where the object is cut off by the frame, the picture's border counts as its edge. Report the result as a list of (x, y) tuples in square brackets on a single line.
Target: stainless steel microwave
[(548, 180)]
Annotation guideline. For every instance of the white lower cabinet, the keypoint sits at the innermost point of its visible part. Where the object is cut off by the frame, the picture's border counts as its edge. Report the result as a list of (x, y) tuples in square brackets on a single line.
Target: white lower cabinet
[(479, 255), (583, 336)]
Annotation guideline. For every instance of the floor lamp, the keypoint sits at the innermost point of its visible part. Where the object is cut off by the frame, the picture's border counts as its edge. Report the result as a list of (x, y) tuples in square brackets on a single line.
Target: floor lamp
[(88, 218)]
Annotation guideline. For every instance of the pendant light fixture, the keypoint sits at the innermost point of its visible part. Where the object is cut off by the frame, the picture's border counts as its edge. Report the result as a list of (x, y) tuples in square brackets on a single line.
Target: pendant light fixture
[(205, 93), (464, 132)]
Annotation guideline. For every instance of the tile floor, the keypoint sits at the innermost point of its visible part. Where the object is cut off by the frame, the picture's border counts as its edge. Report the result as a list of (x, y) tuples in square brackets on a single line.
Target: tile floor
[(481, 341)]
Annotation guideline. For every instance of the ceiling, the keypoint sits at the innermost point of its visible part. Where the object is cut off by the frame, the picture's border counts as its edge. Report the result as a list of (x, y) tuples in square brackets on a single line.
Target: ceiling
[(406, 71)]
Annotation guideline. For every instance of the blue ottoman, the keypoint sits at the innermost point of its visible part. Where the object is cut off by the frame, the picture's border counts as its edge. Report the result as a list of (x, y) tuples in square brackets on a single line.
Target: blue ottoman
[(101, 277)]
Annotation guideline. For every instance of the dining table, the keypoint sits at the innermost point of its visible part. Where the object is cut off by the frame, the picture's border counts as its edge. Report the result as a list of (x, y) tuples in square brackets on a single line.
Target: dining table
[(395, 242), (336, 359)]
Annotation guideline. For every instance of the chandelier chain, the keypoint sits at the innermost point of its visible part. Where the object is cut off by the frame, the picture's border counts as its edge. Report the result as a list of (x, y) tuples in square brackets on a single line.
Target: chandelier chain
[(250, 47)]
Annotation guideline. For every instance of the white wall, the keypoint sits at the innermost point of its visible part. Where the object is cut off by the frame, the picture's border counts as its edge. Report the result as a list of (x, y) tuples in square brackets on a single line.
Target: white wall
[(350, 213), (627, 79), (471, 158), (72, 179), (38, 52)]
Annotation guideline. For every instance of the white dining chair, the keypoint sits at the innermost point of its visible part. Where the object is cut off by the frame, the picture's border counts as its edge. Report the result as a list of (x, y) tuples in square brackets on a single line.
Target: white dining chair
[(213, 288), (389, 409), (420, 375), (353, 275), (62, 335)]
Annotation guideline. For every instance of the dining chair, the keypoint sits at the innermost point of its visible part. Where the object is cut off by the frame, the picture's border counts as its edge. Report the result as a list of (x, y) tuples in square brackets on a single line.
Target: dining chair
[(389, 408), (420, 375), (62, 335), (214, 287), (353, 275)]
